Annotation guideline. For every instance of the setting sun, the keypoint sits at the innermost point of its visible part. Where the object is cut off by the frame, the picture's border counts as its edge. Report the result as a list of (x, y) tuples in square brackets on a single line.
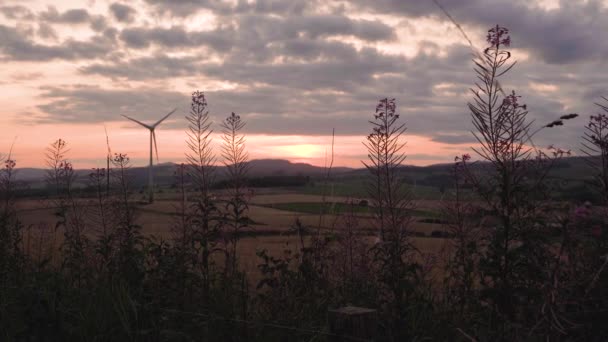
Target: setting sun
[(305, 151)]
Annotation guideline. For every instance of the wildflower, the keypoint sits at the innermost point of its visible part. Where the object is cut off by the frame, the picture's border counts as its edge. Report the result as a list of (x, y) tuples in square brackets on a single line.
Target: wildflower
[(512, 100), (581, 212), (10, 164), (198, 99), (498, 36)]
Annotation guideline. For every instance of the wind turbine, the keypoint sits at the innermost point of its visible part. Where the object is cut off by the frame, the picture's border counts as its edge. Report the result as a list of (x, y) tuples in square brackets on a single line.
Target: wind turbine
[(152, 141)]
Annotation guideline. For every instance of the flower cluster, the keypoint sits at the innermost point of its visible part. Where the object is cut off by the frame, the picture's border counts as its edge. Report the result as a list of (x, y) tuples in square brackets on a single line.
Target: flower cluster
[(120, 159), (66, 166), (558, 152), (512, 100), (233, 119), (460, 162), (600, 120), (498, 36), (198, 99), (10, 164), (386, 107)]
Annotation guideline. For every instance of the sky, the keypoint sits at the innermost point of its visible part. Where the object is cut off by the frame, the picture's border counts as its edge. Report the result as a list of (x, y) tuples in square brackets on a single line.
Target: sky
[(292, 69)]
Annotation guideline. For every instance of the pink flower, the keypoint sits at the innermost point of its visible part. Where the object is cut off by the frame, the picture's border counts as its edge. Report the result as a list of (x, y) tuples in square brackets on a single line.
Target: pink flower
[(581, 212), (498, 36)]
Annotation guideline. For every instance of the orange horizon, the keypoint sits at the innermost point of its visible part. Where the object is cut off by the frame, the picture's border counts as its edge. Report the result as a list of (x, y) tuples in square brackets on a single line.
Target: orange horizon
[(87, 146)]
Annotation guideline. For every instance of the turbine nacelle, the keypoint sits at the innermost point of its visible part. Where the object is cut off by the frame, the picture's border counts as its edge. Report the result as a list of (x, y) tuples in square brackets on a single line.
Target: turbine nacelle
[(152, 129), (153, 126)]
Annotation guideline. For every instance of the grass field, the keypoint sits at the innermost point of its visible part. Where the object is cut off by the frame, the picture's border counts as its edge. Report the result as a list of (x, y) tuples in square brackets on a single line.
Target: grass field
[(273, 214), (338, 208), (356, 187)]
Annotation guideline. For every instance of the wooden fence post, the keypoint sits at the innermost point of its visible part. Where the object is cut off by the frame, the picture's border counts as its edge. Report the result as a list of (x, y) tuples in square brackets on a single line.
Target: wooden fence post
[(354, 322)]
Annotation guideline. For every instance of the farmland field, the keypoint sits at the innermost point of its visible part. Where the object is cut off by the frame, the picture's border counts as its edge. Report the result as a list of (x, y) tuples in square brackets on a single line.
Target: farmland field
[(272, 213)]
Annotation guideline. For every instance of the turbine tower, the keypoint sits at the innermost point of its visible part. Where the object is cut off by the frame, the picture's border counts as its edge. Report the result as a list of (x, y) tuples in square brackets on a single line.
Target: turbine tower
[(152, 142)]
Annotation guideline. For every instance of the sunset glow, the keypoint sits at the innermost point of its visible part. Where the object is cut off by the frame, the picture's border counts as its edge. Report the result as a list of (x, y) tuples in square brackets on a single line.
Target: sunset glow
[(71, 67)]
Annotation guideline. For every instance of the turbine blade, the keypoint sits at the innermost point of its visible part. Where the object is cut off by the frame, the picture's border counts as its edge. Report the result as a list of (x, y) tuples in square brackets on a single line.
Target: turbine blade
[(107, 140), (139, 122), (163, 119), (155, 146)]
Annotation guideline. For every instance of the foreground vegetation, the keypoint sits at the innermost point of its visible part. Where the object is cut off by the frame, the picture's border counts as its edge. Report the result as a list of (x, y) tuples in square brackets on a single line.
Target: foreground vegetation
[(520, 265)]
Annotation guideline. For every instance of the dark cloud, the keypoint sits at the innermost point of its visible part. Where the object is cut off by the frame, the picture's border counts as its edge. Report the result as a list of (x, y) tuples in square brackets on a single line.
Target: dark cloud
[(98, 23), (343, 75), (46, 31), (81, 103), (189, 7), (266, 28), (564, 35), (176, 36), (17, 46), (17, 12), (123, 13), (72, 16), (146, 68), (331, 25), (255, 36)]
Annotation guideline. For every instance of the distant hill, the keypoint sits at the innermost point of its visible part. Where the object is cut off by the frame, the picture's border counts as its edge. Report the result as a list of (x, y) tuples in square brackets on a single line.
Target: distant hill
[(570, 176), (258, 168), (281, 167), (567, 168)]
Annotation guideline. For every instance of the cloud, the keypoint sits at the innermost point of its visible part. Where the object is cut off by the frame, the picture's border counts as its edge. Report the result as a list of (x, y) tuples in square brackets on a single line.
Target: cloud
[(76, 16), (91, 104), (72, 16), (339, 74), (176, 36), (303, 67), (17, 12), (257, 34), (17, 46), (46, 31), (146, 68), (26, 76), (560, 36), (190, 7), (123, 13)]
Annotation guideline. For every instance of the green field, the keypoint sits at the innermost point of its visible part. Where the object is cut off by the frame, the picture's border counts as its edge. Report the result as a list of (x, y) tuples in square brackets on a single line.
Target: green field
[(337, 208)]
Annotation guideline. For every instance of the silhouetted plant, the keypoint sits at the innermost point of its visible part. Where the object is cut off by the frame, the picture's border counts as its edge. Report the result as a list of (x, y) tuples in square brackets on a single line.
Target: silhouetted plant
[(102, 219), (129, 257), (206, 218), (595, 146), (10, 227), (12, 260), (236, 162), (393, 254), (463, 247), (75, 245), (351, 269), (516, 254)]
